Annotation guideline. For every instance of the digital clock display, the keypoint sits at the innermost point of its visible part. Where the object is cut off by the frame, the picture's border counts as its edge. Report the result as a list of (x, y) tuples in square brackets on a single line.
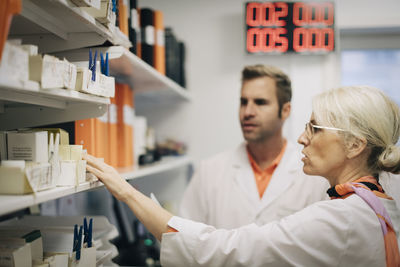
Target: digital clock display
[(280, 27)]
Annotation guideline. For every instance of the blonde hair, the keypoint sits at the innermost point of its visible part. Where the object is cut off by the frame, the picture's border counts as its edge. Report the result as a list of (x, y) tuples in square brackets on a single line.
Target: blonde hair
[(367, 113)]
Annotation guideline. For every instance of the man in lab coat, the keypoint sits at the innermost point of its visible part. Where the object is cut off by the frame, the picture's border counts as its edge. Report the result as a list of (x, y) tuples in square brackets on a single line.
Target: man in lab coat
[(262, 179)]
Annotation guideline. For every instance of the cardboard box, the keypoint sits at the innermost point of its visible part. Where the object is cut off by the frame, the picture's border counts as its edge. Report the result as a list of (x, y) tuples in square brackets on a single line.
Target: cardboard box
[(29, 146), (68, 173), (88, 3), (17, 235), (103, 15), (15, 63), (17, 254), (18, 177), (47, 70)]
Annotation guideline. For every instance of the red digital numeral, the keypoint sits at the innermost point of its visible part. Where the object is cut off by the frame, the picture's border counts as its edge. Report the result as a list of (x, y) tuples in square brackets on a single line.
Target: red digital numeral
[(266, 40), (313, 39), (266, 14), (313, 13)]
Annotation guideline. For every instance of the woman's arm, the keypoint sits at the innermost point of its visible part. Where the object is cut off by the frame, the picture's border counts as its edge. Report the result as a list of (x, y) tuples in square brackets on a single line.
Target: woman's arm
[(154, 217)]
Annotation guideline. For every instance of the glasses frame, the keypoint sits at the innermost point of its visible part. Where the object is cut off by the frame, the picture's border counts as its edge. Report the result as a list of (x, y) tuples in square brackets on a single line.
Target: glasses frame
[(312, 126)]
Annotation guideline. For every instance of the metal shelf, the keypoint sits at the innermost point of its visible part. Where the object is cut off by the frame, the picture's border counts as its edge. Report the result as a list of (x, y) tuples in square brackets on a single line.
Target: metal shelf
[(33, 106), (10, 203), (148, 83), (58, 25)]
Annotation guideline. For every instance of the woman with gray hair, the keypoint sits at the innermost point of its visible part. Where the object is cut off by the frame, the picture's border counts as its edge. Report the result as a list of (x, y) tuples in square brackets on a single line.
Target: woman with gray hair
[(350, 138)]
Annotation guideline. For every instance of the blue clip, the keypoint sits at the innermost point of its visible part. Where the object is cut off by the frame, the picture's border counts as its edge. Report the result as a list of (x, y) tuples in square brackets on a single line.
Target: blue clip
[(77, 242), (88, 230), (94, 67), (104, 64), (101, 63), (107, 66), (92, 64), (114, 6)]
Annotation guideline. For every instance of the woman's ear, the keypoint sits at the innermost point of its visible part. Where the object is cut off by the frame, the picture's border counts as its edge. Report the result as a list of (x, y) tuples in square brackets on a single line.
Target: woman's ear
[(355, 147)]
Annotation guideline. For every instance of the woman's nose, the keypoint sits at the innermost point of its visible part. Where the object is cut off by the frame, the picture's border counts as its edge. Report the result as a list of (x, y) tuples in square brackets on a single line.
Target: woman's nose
[(303, 140)]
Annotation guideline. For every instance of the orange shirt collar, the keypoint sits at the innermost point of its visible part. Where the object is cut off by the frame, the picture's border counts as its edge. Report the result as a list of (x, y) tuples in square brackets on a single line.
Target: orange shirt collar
[(272, 166)]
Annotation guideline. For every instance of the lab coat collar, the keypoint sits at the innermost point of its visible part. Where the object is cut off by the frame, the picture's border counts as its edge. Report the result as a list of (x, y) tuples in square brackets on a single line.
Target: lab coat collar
[(281, 179)]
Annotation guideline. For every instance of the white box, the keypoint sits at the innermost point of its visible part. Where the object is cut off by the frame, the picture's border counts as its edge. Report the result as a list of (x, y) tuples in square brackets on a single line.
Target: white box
[(83, 77), (68, 173), (90, 3), (15, 255), (81, 171), (107, 85), (56, 259), (40, 176), (18, 178), (29, 146), (13, 179), (47, 70), (14, 64), (70, 152), (105, 14), (69, 75), (31, 49), (10, 235)]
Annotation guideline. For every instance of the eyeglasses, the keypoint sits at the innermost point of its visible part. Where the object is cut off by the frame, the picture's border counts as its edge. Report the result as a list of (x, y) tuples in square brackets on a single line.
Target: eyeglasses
[(310, 129)]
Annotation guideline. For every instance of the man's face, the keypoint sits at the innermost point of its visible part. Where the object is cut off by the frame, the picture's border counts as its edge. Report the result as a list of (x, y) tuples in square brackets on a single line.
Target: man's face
[(259, 108)]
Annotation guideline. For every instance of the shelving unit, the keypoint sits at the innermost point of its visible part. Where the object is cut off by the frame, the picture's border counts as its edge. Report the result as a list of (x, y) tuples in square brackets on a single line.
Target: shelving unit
[(10, 203), (33, 106), (60, 28), (126, 67), (58, 25)]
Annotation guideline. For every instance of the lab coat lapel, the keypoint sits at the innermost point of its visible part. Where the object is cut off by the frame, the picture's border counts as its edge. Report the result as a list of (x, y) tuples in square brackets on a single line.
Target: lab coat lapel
[(243, 175), (283, 176)]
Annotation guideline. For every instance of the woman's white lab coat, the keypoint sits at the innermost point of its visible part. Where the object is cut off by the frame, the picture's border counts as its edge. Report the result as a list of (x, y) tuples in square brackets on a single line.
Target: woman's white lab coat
[(223, 191), (341, 232)]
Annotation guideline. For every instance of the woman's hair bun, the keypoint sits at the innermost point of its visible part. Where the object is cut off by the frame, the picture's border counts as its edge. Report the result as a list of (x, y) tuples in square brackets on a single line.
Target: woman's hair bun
[(389, 160)]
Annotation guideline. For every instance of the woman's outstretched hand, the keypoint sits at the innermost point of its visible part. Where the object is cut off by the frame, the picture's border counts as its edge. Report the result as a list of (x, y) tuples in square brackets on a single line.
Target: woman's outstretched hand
[(109, 176)]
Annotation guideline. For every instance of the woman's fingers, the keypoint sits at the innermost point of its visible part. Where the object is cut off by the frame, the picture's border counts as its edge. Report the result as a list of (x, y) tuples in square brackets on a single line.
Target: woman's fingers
[(95, 171), (95, 162)]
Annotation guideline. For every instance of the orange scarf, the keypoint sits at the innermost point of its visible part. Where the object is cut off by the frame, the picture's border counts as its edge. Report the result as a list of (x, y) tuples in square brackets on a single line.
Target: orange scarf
[(369, 190)]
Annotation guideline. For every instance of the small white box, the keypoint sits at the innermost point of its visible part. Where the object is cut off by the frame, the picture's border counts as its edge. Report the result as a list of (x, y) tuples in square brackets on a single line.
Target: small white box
[(13, 181), (68, 173), (18, 178), (31, 49), (69, 75), (29, 146), (12, 235), (14, 64), (90, 3), (81, 171), (56, 259), (15, 255), (107, 85), (47, 70), (83, 77), (105, 14)]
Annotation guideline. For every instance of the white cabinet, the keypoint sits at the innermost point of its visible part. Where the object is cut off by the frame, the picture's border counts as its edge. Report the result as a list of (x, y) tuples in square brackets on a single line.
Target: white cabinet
[(57, 25)]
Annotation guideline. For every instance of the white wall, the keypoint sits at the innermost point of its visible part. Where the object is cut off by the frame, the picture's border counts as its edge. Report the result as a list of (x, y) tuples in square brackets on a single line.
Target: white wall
[(213, 32)]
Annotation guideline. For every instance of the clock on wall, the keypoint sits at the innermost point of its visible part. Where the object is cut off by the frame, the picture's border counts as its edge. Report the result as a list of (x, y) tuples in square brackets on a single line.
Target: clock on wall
[(281, 27)]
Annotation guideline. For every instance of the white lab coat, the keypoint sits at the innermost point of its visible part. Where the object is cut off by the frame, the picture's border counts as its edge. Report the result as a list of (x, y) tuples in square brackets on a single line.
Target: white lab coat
[(223, 192), (340, 232)]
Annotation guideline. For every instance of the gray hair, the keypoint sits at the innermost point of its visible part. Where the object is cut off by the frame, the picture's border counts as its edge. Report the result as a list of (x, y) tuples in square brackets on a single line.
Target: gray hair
[(364, 112)]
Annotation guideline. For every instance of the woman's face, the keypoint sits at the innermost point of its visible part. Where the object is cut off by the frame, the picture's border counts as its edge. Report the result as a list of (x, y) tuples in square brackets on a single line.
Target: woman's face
[(324, 153)]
